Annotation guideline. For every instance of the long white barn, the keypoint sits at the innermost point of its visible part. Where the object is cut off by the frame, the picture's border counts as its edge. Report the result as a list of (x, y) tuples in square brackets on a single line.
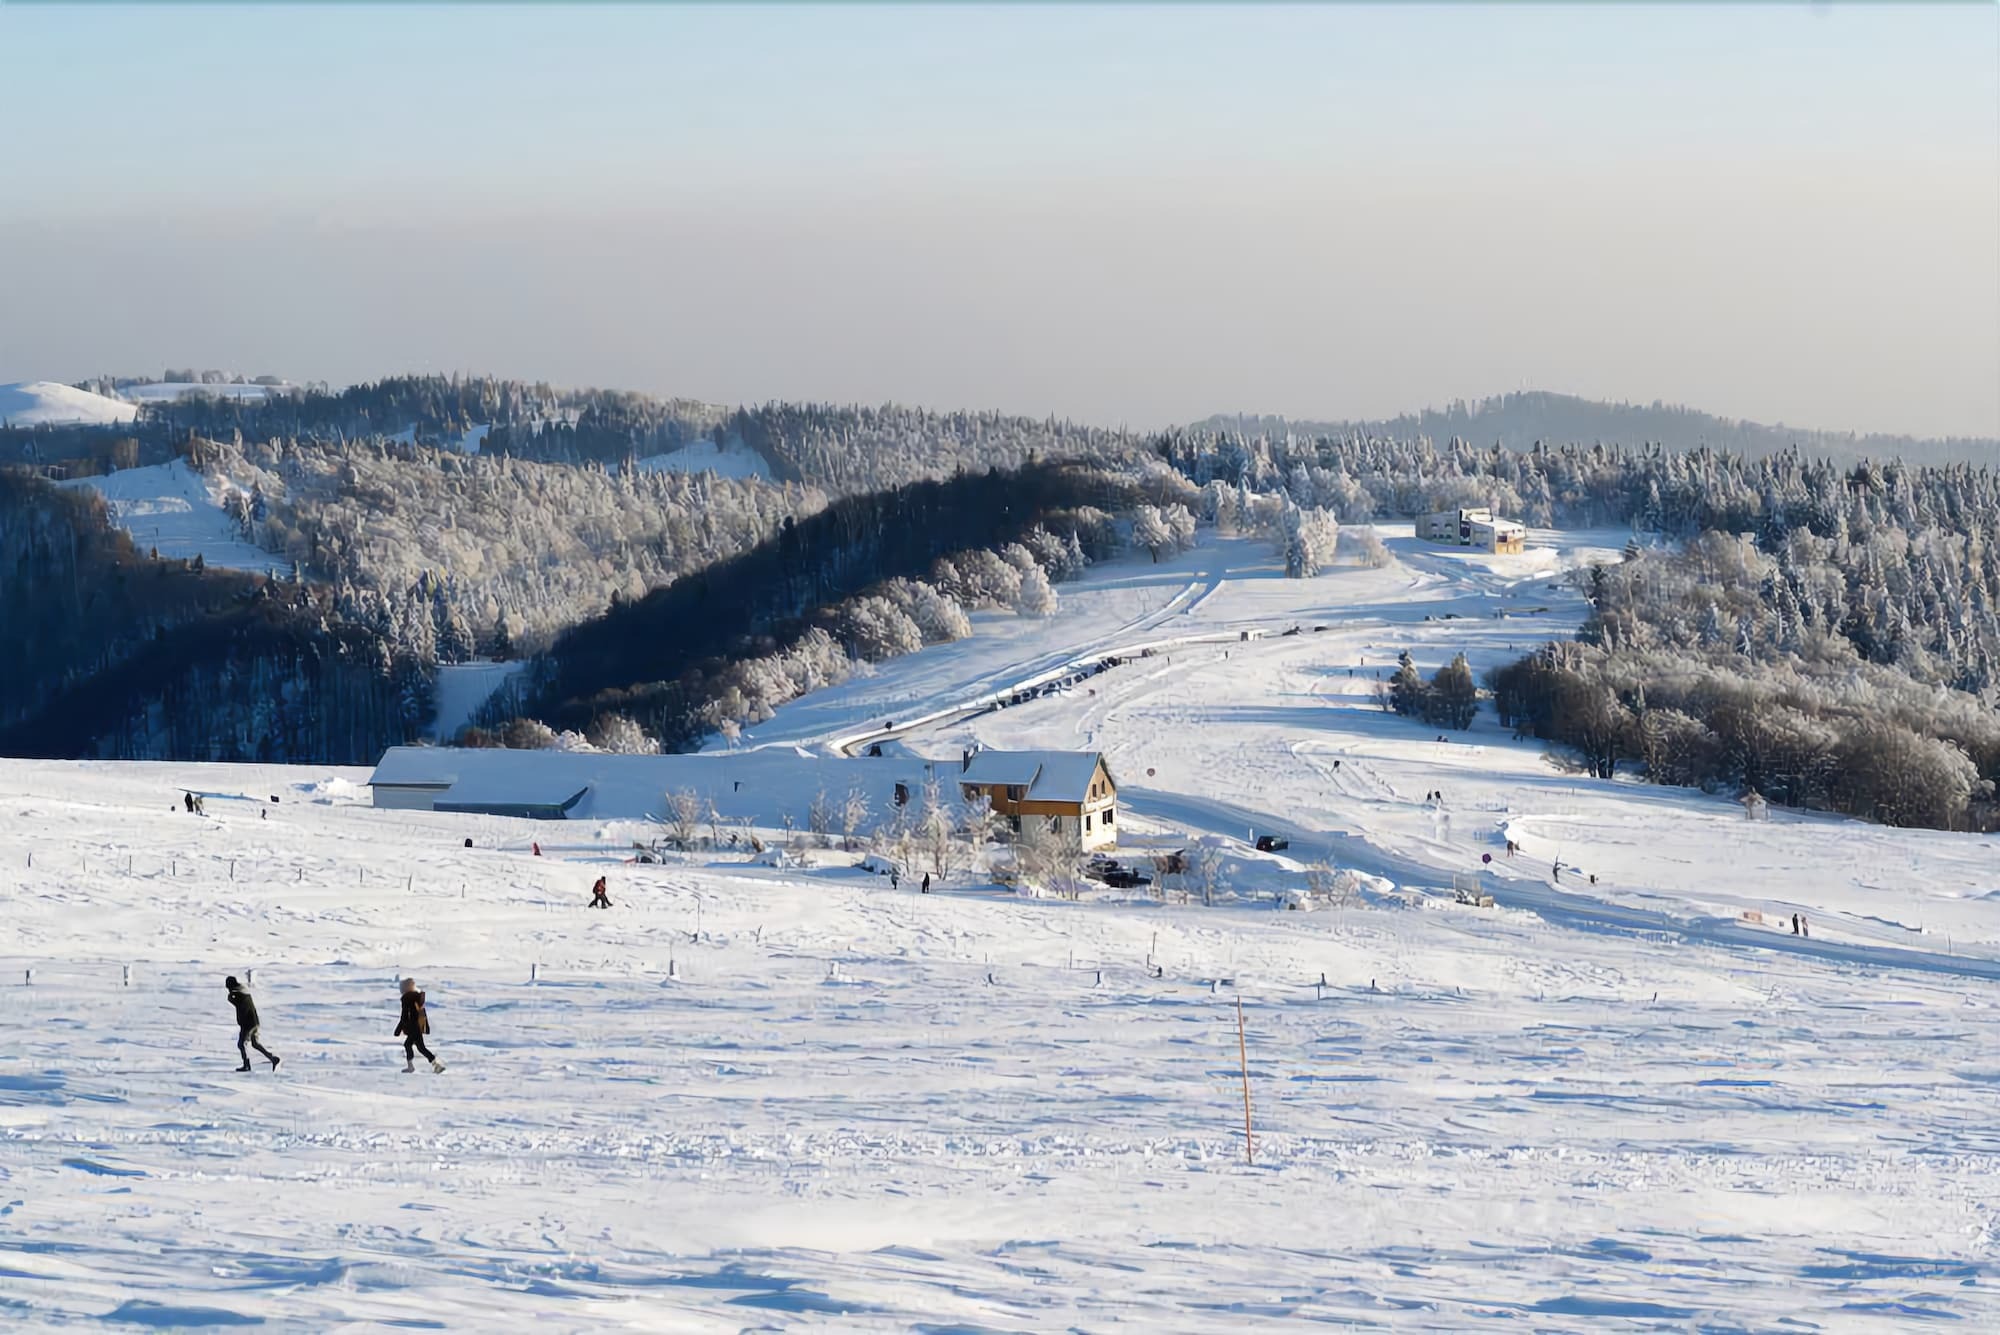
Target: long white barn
[(765, 786)]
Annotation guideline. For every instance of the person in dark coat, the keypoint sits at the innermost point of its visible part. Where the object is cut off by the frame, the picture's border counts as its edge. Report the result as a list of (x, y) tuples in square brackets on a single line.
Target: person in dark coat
[(411, 1028), (927, 882), (188, 800), (600, 895), (247, 1025)]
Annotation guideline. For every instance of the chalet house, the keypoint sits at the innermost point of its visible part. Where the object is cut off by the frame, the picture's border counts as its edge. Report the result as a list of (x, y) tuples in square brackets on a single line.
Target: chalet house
[(1072, 790)]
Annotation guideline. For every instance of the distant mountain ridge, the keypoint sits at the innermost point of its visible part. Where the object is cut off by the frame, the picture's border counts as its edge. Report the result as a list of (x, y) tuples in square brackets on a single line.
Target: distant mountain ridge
[(1517, 421)]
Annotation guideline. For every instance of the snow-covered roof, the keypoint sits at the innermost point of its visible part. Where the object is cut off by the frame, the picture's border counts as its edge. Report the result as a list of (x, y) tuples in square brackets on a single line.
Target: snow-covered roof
[(1049, 776), (765, 785)]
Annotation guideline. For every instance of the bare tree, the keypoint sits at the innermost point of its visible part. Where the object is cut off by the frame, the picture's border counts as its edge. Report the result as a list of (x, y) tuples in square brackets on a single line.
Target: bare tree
[(853, 815), (1049, 859), (684, 811), (819, 816), (1204, 868), (978, 821), (937, 831)]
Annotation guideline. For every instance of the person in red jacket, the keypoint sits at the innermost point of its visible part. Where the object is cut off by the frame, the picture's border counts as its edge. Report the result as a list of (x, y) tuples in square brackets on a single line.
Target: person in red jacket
[(411, 1028)]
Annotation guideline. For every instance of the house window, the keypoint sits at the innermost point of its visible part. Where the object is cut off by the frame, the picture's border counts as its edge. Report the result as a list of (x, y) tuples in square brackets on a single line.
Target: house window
[(1086, 824), (1014, 791), (1107, 814), (1055, 825)]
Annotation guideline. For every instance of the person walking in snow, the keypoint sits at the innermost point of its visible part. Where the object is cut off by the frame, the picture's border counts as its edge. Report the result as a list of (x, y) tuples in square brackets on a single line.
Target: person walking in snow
[(1805, 928), (600, 895), (895, 879), (1795, 924), (927, 882), (411, 1028), (247, 1025), (187, 799)]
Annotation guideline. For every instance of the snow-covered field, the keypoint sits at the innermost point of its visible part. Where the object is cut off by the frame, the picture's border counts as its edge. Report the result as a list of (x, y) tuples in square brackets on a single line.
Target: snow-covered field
[(47, 403), (754, 1097), (172, 509)]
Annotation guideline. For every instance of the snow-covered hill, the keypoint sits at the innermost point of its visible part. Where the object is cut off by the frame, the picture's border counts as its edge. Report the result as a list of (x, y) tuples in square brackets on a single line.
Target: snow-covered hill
[(786, 1095), (46, 403), (172, 509)]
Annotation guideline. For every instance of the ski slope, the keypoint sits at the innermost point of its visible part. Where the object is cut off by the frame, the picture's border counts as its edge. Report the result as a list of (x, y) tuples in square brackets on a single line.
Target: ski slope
[(786, 1096), (176, 511), (705, 456)]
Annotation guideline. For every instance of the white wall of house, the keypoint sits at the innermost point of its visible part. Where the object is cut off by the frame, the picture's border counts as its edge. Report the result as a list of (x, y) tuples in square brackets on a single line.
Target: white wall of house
[(399, 798)]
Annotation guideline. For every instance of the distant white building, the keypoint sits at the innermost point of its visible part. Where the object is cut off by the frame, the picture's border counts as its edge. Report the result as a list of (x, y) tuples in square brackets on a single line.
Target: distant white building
[(1452, 525), (1473, 526)]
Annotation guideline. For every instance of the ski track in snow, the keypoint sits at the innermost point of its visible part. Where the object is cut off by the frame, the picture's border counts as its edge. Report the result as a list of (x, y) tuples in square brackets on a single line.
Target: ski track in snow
[(753, 1097)]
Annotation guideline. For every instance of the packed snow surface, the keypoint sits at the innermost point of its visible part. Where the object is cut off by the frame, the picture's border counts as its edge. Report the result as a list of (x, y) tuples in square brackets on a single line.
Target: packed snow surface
[(758, 1096), (705, 456), (177, 511), (47, 403)]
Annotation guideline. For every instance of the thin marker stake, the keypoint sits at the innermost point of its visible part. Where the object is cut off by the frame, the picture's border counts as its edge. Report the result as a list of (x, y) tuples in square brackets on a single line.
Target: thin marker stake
[(1243, 1055)]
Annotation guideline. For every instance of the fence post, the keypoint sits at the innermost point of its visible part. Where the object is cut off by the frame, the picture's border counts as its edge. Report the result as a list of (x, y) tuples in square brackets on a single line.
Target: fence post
[(127, 975), (534, 973), (27, 977), (1243, 1056), (249, 978)]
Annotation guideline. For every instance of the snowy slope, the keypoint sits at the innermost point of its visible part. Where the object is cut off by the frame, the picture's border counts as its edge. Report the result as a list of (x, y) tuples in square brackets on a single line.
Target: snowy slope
[(172, 508), (705, 456), (46, 403), (462, 688), (754, 1096), (777, 1098)]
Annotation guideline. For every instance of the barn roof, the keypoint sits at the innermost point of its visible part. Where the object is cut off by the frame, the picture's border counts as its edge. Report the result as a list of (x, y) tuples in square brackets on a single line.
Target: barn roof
[(1049, 776)]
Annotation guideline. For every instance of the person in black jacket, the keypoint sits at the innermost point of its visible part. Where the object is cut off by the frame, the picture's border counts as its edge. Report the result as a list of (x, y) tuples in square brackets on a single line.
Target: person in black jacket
[(246, 1025), (411, 1028)]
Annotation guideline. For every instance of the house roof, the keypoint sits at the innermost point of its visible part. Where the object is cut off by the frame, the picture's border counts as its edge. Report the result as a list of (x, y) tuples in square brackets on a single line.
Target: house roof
[(1049, 776)]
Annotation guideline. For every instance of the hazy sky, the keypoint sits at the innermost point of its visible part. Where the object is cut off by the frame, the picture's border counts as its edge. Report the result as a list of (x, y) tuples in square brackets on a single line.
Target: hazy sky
[(1114, 214)]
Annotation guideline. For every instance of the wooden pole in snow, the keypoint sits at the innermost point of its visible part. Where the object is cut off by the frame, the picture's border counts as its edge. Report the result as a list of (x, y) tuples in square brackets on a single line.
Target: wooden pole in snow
[(1243, 1056)]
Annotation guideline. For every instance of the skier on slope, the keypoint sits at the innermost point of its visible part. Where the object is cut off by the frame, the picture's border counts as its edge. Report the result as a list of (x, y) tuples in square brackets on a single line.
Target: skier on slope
[(246, 1025), (600, 895), (411, 1028)]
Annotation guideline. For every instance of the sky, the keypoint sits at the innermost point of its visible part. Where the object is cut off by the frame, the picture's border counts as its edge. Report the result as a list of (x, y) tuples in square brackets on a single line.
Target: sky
[(1117, 214)]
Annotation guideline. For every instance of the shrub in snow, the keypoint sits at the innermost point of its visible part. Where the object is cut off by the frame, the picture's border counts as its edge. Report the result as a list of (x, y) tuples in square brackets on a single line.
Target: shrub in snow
[(1038, 596)]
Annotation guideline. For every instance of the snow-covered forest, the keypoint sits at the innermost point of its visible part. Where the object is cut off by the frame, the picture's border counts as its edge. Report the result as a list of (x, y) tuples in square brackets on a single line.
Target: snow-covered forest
[(1771, 609), (451, 555)]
